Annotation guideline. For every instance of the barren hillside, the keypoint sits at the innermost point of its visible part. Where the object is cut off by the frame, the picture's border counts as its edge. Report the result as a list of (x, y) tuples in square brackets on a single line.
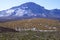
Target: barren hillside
[(38, 23)]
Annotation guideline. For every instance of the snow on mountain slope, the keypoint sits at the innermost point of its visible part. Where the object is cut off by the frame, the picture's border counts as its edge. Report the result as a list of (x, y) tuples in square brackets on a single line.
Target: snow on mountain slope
[(29, 9)]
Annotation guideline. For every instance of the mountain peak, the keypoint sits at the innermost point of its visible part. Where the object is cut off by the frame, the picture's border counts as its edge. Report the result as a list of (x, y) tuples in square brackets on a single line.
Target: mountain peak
[(35, 8), (31, 3)]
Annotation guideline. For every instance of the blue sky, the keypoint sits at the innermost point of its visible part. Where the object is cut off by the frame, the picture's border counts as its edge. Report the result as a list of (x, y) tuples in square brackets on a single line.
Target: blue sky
[(48, 4)]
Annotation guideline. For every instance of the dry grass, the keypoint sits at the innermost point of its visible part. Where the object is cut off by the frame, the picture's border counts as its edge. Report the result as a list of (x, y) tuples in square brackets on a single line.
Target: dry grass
[(39, 23)]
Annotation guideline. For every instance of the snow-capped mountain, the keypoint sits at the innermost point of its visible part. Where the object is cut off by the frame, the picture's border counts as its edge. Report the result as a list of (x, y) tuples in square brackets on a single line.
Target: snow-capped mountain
[(29, 10)]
